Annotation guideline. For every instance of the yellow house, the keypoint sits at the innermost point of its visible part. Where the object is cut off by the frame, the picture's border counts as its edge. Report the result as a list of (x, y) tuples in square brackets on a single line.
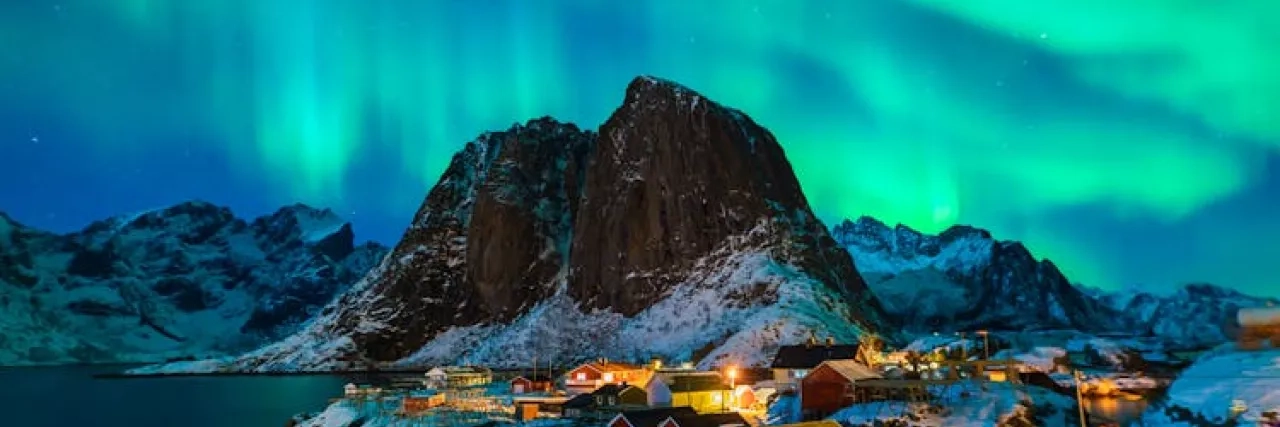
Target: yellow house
[(705, 392)]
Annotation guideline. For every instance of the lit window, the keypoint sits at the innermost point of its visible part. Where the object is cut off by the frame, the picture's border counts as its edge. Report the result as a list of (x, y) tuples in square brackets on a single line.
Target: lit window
[(715, 398), (608, 377), (799, 373), (582, 376)]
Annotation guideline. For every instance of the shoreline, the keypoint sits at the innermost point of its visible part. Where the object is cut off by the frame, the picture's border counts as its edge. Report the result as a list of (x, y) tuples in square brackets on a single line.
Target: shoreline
[(125, 375), (407, 371)]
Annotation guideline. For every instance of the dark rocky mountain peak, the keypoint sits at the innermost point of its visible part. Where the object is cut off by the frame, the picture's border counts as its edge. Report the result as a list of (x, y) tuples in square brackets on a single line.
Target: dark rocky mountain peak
[(485, 244), (675, 174), (681, 216)]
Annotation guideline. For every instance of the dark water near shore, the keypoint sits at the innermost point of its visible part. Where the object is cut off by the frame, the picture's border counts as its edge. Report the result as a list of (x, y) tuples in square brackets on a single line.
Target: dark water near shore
[(69, 396)]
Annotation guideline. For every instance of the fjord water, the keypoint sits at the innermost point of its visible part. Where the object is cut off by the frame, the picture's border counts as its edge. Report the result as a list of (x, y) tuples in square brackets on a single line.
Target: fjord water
[(69, 396)]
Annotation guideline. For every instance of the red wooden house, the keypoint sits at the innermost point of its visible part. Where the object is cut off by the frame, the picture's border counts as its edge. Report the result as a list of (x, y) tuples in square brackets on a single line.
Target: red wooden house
[(419, 404), (590, 376), (829, 387), (532, 384)]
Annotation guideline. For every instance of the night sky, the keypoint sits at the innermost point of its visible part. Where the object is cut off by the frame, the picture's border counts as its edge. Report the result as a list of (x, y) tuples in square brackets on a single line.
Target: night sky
[(1135, 143)]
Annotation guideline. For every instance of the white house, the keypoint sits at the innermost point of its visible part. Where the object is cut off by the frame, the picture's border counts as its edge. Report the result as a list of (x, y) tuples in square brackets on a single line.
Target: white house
[(442, 377)]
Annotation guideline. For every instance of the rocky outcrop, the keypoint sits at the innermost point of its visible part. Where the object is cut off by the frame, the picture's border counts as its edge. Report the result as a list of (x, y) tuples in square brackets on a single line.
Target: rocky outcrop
[(187, 280), (485, 244), (963, 280), (674, 176), (682, 219)]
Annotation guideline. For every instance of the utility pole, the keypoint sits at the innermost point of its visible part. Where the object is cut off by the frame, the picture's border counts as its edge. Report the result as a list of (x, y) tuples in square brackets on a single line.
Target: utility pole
[(986, 344), (1075, 374)]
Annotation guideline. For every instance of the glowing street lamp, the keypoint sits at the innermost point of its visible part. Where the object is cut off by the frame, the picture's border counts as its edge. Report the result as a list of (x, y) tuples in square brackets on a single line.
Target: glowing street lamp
[(731, 372)]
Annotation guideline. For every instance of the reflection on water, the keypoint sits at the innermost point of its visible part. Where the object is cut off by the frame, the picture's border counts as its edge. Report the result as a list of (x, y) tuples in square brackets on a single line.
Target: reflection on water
[(69, 396), (1123, 411)]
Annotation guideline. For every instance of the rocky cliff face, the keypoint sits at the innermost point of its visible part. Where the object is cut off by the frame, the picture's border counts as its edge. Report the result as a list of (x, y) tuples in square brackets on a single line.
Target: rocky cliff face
[(964, 280), (674, 176), (679, 231), (191, 279), (484, 246)]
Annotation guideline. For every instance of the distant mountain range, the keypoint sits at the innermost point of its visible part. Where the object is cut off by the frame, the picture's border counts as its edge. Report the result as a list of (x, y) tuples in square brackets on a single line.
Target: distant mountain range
[(677, 230), (963, 279), (187, 280)]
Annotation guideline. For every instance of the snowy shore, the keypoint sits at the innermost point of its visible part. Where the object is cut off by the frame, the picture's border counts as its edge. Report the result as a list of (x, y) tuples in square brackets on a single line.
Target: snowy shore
[(1205, 393)]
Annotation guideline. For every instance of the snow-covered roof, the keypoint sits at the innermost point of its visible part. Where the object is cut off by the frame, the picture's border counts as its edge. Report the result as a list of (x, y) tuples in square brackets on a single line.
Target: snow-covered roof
[(851, 369)]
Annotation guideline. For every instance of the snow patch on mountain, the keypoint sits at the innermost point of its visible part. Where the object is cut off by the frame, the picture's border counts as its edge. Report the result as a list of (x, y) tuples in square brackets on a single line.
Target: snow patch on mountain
[(739, 305), (878, 249)]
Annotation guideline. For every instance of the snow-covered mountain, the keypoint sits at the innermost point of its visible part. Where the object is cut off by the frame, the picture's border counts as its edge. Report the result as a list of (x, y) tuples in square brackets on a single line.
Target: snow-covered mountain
[(963, 280), (679, 230), (1196, 315), (187, 280)]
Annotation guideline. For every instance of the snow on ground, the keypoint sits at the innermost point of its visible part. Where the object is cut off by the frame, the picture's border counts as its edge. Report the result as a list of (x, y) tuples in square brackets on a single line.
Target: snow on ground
[(969, 404), (1039, 358), (930, 343), (346, 413), (1210, 386), (336, 415), (784, 410)]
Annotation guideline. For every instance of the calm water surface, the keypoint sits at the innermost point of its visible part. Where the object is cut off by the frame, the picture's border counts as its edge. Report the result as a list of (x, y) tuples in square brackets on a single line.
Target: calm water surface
[(1120, 410), (71, 397)]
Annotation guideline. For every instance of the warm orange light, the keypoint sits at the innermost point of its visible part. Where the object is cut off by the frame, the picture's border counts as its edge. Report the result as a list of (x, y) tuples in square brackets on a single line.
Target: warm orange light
[(732, 372)]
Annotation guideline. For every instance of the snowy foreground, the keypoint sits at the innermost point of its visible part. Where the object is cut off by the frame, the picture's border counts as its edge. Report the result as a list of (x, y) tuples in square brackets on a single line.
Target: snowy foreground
[(972, 405), (968, 405), (1205, 392)]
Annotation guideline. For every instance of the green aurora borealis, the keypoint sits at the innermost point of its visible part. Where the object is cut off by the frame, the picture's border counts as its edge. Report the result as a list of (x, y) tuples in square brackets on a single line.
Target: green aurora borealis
[(1131, 142)]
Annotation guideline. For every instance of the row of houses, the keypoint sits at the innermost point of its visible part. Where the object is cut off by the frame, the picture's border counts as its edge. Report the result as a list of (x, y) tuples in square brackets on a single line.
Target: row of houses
[(829, 377), (600, 390)]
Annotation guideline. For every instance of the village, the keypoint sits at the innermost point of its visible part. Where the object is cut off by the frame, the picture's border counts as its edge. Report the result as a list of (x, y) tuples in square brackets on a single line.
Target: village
[(819, 378)]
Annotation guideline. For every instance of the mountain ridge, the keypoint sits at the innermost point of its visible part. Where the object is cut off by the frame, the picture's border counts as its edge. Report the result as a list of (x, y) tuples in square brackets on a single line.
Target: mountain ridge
[(184, 280), (965, 279), (631, 237), (1191, 316)]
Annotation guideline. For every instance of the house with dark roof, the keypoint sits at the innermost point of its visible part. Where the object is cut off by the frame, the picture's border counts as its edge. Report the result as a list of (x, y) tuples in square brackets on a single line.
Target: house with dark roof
[(649, 417), (725, 419), (702, 391), (793, 362), (605, 401)]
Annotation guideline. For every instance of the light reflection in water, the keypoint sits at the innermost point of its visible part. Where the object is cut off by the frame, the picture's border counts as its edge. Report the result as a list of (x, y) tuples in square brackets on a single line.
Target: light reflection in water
[(1123, 411)]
